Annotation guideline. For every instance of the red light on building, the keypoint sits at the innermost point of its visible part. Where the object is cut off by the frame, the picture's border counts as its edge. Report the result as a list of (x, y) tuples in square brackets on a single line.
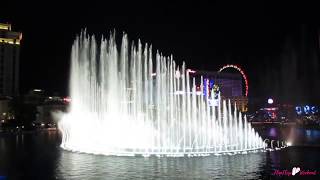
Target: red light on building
[(191, 71), (67, 99)]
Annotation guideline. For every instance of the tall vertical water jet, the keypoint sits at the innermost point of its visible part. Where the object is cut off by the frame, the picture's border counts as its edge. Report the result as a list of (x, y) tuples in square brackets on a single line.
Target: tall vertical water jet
[(123, 102)]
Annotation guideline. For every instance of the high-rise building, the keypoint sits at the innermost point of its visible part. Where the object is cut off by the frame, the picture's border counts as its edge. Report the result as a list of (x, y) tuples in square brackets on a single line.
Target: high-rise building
[(9, 60), (230, 85)]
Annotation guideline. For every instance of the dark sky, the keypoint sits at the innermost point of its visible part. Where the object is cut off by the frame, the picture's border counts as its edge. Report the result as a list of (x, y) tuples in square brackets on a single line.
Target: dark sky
[(277, 44)]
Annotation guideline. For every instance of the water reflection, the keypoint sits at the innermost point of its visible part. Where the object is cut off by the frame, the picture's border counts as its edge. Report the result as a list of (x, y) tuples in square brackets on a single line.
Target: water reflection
[(273, 132), (38, 156), (298, 136), (84, 166)]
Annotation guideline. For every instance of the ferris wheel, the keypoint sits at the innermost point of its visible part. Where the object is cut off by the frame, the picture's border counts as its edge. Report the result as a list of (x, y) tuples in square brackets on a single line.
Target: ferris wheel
[(238, 68)]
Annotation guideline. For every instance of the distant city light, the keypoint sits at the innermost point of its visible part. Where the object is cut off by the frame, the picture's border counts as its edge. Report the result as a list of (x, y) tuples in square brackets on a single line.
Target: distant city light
[(314, 109), (270, 109), (306, 109), (298, 110), (67, 99), (37, 90), (191, 71), (270, 101)]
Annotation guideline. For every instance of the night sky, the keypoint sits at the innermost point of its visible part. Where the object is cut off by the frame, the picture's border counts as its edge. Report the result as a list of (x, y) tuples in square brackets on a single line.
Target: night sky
[(273, 43)]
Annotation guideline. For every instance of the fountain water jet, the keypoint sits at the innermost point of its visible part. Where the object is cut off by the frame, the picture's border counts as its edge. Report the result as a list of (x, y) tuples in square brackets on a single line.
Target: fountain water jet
[(121, 107)]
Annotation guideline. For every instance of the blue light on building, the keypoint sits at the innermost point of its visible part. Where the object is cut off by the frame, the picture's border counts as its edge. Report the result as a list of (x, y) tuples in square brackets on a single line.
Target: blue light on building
[(306, 110)]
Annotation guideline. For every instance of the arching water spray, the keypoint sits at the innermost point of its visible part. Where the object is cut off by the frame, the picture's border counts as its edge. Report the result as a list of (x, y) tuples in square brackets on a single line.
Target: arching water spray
[(127, 103)]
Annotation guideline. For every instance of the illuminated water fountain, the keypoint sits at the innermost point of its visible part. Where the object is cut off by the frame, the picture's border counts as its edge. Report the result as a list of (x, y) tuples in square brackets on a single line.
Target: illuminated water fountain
[(125, 102)]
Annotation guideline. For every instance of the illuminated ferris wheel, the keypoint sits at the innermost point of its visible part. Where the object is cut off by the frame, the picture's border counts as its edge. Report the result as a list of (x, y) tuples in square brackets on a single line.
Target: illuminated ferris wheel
[(238, 68)]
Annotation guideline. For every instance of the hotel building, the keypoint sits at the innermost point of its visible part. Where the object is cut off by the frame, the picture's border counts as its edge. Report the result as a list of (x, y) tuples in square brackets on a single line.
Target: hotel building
[(9, 60)]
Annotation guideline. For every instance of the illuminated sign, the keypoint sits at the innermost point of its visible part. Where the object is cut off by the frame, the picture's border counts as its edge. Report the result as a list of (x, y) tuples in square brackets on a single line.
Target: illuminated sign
[(306, 110)]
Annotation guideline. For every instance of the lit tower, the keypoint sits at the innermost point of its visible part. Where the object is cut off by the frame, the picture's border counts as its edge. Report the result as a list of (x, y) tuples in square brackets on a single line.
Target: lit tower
[(9, 60)]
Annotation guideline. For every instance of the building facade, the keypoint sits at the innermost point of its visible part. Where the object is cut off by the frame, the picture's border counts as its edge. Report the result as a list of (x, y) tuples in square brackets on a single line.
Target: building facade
[(9, 60), (230, 85), (51, 110)]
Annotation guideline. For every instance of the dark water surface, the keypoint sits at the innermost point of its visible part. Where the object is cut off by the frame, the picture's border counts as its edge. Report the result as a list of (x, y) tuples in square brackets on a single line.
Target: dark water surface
[(38, 156)]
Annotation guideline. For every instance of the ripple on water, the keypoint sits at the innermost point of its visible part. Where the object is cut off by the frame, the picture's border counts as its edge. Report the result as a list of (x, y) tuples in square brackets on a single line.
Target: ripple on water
[(86, 166)]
